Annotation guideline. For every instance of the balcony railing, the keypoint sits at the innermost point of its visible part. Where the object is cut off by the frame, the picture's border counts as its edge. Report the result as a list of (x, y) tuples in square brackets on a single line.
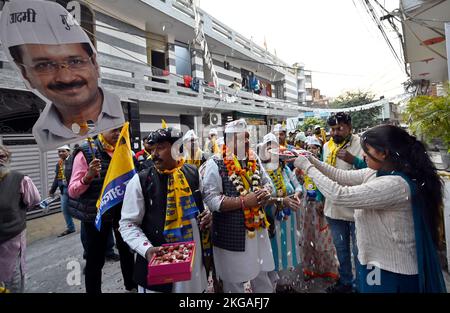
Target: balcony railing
[(140, 83), (218, 30), (144, 85)]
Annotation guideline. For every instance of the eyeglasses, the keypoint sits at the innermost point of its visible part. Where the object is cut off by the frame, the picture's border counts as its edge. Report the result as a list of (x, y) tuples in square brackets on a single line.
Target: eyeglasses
[(3, 157), (48, 67)]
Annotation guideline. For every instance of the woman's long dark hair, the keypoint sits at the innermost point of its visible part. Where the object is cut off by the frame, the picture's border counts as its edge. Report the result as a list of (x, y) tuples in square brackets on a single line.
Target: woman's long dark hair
[(408, 155)]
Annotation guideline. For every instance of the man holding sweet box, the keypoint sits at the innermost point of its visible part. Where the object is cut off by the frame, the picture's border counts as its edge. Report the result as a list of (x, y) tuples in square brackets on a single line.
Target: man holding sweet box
[(163, 205)]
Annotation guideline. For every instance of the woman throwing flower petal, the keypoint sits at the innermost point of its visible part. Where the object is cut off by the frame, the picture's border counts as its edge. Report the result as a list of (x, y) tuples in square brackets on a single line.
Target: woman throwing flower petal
[(397, 201)]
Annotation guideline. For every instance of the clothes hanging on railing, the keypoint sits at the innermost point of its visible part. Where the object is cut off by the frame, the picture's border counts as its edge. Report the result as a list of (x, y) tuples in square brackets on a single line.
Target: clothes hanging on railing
[(195, 84), (187, 81), (159, 72), (254, 84)]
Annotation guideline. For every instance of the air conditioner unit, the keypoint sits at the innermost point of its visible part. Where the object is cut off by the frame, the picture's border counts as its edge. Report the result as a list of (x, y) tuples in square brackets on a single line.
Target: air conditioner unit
[(215, 119)]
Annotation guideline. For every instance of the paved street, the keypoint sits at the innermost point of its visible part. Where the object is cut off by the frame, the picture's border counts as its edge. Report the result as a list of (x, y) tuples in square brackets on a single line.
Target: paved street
[(54, 261)]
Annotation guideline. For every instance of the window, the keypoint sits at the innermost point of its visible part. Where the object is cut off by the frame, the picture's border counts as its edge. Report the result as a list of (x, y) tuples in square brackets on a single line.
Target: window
[(183, 60)]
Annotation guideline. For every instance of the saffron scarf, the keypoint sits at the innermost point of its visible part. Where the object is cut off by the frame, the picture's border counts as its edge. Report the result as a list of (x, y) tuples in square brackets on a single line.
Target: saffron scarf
[(215, 147), (61, 175), (108, 147), (277, 179), (333, 150), (181, 206), (254, 218), (283, 186)]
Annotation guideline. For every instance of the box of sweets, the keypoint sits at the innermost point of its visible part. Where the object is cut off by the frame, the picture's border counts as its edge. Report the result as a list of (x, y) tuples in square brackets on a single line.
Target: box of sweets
[(172, 264)]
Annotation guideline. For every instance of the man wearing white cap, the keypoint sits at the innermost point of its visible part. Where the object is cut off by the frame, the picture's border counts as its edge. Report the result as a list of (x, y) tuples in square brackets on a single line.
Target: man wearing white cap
[(60, 182), (300, 141), (280, 131), (211, 146), (241, 244), (192, 152), (318, 134), (58, 62)]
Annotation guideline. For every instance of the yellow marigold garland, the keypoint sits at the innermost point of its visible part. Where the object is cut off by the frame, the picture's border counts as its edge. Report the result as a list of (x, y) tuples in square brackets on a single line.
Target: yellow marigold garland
[(255, 217)]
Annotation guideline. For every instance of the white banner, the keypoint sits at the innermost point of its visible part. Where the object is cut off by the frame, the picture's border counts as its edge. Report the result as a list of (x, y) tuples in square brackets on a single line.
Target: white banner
[(319, 112)]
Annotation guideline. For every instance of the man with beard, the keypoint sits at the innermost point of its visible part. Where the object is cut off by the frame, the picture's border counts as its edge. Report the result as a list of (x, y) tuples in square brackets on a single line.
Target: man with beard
[(87, 174), (17, 194), (162, 204), (58, 63), (236, 187), (341, 219)]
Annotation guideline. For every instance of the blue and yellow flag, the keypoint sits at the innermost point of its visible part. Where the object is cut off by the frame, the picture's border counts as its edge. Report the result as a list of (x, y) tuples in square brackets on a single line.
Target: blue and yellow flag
[(120, 171)]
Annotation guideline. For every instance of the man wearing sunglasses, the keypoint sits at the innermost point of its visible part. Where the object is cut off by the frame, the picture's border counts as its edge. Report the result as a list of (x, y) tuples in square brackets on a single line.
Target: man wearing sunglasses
[(57, 61)]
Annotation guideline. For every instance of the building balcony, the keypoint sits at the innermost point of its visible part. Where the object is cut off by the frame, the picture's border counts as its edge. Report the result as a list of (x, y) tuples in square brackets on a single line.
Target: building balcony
[(179, 15), (132, 81)]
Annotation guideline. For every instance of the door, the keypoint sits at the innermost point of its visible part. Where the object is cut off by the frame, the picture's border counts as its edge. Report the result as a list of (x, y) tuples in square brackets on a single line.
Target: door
[(158, 61)]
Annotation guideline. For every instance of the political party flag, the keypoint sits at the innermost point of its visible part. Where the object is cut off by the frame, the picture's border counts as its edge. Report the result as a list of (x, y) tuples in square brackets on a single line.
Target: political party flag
[(120, 171)]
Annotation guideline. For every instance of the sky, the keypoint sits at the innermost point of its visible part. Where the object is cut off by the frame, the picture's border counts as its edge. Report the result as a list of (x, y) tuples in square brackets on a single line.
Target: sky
[(334, 36)]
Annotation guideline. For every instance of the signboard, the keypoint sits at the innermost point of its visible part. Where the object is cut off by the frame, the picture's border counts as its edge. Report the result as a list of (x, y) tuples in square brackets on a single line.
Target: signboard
[(251, 119)]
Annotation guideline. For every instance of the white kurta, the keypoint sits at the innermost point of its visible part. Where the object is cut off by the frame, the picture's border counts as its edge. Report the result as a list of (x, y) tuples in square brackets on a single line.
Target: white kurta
[(237, 267), (232, 266), (133, 211)]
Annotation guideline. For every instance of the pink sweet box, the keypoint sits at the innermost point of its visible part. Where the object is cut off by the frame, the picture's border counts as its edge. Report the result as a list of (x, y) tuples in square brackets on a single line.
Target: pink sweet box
[(173, 272)]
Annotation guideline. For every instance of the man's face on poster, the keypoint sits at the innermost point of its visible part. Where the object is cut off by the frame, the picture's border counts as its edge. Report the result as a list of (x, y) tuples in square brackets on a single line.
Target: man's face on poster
[(65, 74)]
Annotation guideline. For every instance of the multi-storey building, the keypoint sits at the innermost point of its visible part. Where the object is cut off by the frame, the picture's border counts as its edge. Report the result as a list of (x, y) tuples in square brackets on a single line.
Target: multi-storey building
[(147, 56)]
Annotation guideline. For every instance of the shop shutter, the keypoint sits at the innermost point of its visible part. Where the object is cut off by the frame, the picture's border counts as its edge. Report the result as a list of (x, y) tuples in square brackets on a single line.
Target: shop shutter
[(29, 160)]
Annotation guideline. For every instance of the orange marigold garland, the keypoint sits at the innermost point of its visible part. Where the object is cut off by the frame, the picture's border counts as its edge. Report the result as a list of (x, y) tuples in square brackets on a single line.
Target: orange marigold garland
[(255, 217)]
